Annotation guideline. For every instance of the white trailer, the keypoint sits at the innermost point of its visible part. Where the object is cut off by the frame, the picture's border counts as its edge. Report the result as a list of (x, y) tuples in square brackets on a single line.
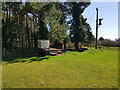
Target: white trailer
[(43, 44)]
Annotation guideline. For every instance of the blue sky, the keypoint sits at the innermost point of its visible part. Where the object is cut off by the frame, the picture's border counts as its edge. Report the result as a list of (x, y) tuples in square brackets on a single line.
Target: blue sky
[(109, 12)]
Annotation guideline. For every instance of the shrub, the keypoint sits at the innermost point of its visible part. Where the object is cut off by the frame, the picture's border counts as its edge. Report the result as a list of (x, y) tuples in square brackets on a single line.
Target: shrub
[(107, 42)]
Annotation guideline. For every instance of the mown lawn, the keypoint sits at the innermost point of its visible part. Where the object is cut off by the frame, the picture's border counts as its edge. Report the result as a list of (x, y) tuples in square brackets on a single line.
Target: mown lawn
[(88, 69)]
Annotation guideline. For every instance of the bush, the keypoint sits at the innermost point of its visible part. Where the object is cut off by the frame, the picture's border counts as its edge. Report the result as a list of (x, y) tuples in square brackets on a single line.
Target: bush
[(108, 42), (70, 45)]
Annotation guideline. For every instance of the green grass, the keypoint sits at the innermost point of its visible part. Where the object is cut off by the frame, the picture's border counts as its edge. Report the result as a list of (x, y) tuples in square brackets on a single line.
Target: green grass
[(88, 69)]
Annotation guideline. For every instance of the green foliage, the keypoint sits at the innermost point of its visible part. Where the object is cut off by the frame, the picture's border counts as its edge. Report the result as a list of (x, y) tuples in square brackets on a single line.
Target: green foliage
[(58, 31), (89, 36), (43, 32), (10, 34), (77, 33), (25, 23)]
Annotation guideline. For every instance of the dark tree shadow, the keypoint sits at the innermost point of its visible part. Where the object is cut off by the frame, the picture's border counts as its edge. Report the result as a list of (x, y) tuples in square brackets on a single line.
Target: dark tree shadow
[(82, 49), (19, 56), (79, 50), (29, 60), (30, 57), (15, 55)]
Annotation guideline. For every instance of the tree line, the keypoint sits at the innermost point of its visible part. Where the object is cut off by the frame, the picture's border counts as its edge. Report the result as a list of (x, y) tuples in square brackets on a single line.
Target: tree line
[(23, 23), (109, 43)]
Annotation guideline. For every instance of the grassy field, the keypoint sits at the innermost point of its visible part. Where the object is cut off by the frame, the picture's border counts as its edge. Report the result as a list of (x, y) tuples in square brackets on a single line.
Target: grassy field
[(89, 69)]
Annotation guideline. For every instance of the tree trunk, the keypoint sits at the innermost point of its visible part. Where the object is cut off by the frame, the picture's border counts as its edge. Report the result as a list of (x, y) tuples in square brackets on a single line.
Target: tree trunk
[(31, 31), (27, 34), (65, 46), (22, 33), (35, 34), (28, 37), (6, 33), (9, 11), (76, 45)]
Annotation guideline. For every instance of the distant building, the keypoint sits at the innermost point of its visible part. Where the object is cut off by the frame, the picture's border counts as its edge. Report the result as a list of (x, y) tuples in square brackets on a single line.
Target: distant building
[(43, 44)]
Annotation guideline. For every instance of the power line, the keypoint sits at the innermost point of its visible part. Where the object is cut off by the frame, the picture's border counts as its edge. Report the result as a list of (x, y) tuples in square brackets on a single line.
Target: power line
[(107, 6), (91, 17)]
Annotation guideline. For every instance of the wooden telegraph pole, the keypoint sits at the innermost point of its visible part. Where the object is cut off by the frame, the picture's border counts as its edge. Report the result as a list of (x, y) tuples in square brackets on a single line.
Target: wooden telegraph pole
[(96, 28), (97, 25)]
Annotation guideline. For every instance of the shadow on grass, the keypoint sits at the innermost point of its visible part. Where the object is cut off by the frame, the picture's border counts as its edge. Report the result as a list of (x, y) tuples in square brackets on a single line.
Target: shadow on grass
[(18, 56), (29, 59), (79, 50)]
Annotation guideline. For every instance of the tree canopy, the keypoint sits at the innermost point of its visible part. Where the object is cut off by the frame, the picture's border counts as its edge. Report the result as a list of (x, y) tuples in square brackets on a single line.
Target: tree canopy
[(24, 23)]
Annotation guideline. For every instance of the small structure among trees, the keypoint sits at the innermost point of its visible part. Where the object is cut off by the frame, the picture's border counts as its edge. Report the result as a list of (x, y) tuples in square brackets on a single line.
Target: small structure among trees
[(44, 44), (45, 49)]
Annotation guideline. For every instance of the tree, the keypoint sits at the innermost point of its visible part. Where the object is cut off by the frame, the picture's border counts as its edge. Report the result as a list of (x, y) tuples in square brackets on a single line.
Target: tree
[(117, 41), (10, 25), (58, 28), (40, 10), (73, 11), (89, 37), (66, 40), (101, 38), (107, 42), (76, 31), (24, 23)]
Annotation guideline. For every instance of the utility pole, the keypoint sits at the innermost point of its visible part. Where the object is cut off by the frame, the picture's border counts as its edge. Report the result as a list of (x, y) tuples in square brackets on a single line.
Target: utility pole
[(96, 28), (97, 25)]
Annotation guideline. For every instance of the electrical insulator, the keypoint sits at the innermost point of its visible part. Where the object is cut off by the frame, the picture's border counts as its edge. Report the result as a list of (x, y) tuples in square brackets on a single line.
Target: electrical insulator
[(100, 23)]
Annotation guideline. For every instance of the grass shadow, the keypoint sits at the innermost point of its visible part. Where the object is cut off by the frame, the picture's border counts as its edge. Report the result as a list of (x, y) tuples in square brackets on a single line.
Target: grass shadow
[(18, 56), (79, 50), (15, 55), (29, 59)]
